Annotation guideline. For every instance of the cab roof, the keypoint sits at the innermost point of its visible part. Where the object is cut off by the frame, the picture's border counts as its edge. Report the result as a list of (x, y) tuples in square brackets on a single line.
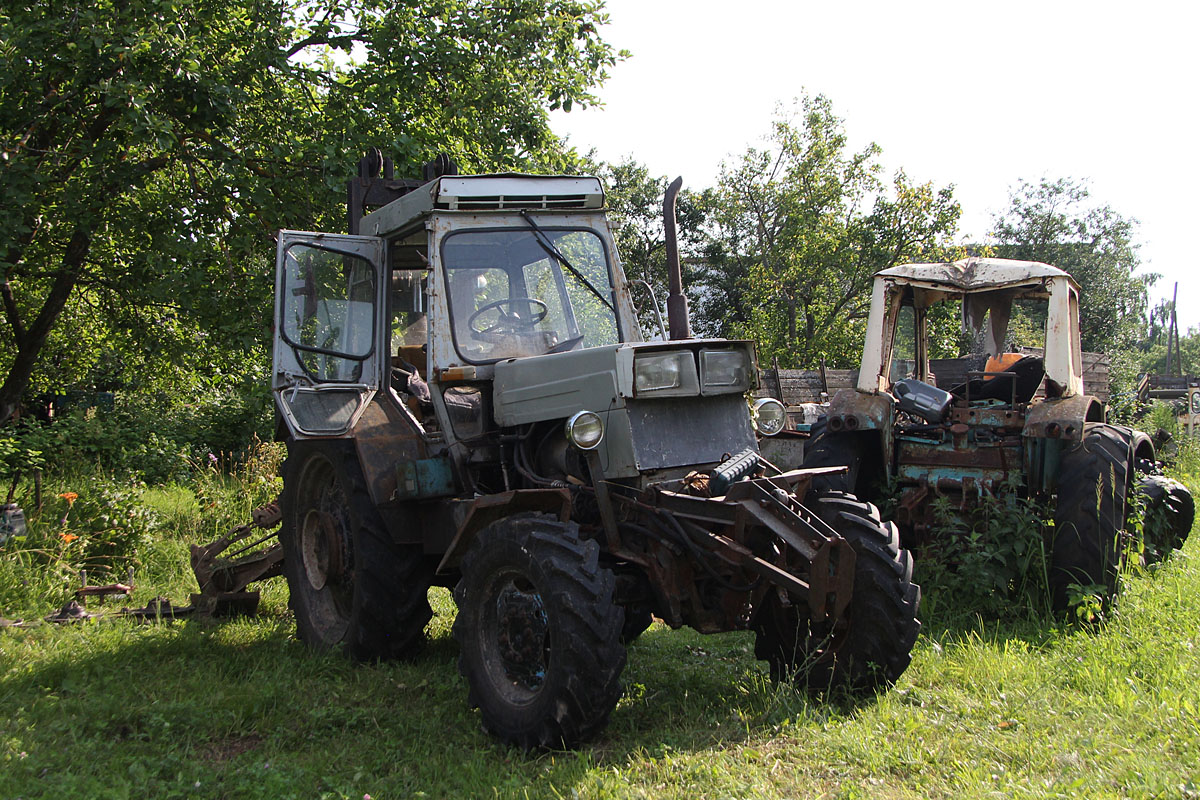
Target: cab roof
[(975, 274), (500, 192)]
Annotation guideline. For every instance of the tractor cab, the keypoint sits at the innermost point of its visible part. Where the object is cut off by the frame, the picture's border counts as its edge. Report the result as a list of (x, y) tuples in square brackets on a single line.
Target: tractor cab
[(985, 289)]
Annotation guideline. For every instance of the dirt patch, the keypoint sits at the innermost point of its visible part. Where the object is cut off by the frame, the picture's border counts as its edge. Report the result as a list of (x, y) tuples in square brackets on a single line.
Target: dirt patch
[(228, 749)]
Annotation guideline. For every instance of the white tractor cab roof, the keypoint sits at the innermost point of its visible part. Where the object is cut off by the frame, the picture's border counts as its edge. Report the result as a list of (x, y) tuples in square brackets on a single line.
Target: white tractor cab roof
[(507, 191), (987, 288)]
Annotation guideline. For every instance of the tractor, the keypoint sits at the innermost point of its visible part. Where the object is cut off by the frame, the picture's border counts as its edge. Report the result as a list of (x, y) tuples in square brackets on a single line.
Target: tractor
[(1009, 421), (468, 402)]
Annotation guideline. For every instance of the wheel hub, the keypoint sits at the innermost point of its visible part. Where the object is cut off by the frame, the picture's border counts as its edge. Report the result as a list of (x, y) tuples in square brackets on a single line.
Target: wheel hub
[(522, 636), (321, 548)]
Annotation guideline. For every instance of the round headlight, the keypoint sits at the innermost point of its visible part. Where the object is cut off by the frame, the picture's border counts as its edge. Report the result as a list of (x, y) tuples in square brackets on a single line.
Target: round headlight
[(585, 430), (769, 416)]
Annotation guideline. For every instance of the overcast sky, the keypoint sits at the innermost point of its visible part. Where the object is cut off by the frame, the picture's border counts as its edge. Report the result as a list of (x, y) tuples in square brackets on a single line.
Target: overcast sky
[(974, 94)]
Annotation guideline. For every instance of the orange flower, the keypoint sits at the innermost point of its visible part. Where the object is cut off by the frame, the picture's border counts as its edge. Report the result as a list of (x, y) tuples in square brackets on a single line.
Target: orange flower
[(68, 537), (70, 497)]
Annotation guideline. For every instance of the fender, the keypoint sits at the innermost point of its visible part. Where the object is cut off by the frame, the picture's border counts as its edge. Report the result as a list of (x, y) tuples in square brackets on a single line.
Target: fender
[(1063, 418), (483, 511)]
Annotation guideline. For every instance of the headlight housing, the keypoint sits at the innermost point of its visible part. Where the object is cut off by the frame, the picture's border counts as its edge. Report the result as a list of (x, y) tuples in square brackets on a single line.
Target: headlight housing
[(665, 375), (585, 430), (769, 415), (724, 372)]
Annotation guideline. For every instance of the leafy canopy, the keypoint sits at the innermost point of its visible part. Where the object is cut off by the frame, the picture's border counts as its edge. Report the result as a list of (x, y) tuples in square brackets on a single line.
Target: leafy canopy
[(151, 148), (1051, 221), (798, 228)]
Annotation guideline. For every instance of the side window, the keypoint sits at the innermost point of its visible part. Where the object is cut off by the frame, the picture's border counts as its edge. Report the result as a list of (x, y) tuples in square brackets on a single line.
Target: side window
[(904, 345), (409, 328)]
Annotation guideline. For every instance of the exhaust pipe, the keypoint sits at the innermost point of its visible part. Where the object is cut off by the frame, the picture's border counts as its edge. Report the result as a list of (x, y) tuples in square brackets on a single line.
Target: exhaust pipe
[(677, 307)]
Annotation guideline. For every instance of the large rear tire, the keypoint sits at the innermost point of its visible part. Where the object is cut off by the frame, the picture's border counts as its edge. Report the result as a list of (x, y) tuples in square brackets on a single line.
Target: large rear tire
[(1089, 516), (539, 632), (352, 587), (872, 645), (825, 449)]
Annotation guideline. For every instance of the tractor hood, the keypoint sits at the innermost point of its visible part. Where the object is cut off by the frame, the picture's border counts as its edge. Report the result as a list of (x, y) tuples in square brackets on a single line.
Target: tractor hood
[(664, 404)]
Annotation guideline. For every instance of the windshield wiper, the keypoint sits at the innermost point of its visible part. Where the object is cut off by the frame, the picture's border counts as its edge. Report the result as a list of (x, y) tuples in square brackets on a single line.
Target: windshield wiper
[(554, 253)]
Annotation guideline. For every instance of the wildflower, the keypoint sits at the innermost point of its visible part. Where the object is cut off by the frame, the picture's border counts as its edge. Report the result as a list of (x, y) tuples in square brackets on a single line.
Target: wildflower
[(67, 537), (212, 459), (70, 497)]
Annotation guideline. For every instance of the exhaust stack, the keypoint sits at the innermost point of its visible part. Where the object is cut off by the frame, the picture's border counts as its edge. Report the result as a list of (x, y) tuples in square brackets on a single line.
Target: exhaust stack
[(677, 308)]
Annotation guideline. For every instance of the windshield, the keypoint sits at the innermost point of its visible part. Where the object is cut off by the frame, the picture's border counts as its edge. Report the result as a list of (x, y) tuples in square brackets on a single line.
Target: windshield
[(511, 295)]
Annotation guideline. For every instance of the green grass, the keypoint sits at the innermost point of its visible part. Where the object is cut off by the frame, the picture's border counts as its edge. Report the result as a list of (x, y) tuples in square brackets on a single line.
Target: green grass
[(111, 709)]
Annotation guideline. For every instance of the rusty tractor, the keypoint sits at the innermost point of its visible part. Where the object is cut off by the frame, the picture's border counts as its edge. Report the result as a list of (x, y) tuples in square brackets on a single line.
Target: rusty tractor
[(468, 402), (897, 432)]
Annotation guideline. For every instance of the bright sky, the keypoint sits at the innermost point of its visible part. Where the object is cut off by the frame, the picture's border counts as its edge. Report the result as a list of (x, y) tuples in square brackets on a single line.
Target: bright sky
[(974, 94)]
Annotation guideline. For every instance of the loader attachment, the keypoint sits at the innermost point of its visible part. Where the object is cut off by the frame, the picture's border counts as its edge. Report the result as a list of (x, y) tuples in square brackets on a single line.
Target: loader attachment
[(223, 578)]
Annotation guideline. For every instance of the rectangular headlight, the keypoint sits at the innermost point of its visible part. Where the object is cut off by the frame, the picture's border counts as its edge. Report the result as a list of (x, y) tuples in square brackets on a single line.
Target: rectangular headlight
[(665, 375), (724, 372)]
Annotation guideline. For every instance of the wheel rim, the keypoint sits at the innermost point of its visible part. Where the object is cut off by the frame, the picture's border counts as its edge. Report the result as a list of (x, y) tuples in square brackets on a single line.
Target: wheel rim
[(516, 637), (320, 548), (324, 542)]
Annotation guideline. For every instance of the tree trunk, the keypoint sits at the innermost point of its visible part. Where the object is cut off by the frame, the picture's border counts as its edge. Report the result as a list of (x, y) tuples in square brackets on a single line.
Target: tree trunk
[(21, 372)]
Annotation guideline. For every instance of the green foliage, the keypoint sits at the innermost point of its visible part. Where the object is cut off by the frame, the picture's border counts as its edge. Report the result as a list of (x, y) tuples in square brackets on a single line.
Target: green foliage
[(99, 525), (19, 454), (1123, 404), (106, 527), (147, 437), (989, 559), (1173, 446), (1051, 221), (151, 150), (1152, 351), (799, 228)]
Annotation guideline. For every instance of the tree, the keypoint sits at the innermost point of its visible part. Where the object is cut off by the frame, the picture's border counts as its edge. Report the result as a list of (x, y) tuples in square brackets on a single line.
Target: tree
[(635, 201), (151, 148), (1051, 221), (799, 229)]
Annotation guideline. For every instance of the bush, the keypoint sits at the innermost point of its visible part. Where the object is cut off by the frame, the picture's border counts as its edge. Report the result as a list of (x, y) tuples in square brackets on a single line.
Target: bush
[(146, 438)]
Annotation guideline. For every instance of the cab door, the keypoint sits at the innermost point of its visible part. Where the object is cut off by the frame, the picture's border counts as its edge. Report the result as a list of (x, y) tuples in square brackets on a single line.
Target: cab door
[(329, 351)]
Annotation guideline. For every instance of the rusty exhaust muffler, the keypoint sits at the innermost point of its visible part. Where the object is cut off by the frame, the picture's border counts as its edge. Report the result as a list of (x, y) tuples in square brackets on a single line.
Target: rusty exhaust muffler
[(678, 325)]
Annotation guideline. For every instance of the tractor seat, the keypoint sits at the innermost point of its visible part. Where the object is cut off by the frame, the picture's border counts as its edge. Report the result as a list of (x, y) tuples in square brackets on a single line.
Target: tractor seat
[(413, 354), (1028, 373)]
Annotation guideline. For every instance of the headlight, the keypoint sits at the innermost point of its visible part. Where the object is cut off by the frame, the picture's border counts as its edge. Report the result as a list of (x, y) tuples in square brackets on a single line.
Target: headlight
[(769, 416), (665, 374), (585, 429), (724, 372)]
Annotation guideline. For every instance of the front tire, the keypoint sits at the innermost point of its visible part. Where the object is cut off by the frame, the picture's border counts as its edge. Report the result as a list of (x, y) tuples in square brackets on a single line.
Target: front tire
[(351, 587), (1089, 515), (539, 632), (872, 645)]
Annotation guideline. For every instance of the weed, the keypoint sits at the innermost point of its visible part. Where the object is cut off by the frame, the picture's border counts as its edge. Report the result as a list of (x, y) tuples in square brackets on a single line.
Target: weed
[(990, 556)]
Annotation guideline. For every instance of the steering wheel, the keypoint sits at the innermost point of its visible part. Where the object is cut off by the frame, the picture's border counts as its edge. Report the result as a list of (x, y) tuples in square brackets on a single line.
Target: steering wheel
[(507, 322)]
